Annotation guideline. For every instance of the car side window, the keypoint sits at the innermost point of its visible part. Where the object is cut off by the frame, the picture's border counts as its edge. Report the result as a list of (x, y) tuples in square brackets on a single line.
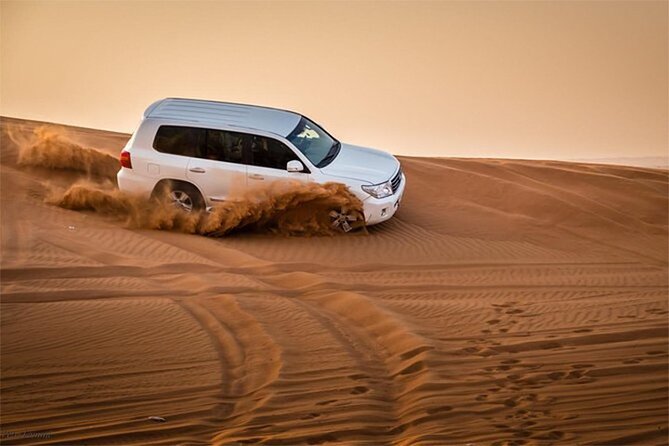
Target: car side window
[(225, 146), (268, 152), (178, 140)]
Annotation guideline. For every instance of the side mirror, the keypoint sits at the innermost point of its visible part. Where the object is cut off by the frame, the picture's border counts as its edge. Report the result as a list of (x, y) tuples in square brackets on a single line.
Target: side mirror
[(295, 166)]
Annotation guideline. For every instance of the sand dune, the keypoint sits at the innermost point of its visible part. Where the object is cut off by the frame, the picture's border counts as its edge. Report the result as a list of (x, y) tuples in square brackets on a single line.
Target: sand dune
[(509, 302)]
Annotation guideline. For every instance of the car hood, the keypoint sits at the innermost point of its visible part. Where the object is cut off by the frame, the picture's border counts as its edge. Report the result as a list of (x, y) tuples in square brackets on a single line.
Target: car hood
[(362, 164)]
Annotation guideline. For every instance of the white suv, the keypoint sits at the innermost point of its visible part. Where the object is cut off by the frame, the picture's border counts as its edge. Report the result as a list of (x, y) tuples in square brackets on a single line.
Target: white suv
[(205, 151)]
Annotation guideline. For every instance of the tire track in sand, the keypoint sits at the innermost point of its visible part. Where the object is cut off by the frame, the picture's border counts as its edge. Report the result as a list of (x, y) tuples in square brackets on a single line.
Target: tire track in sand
[(391, 360), (402, 355), (250, 359)]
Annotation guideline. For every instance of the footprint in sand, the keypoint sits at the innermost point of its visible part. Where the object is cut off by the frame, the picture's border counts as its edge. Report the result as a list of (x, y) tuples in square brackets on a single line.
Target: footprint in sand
[(416, 351), (471, 350), (327, 438), (522, 433), (358, 376), (488, 352), (310, 416), (413, 368), (556, 375), (359, 390), (531, 397), (552, 435), (582, 366), (440, 409), (325, 403), (510, 402)]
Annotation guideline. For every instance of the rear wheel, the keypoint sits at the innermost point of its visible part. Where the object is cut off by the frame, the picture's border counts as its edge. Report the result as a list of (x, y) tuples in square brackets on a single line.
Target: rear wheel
[(183, 196)]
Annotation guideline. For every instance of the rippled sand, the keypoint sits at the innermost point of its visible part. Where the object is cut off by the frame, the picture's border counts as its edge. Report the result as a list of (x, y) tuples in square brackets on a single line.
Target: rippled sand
[(509, 302)]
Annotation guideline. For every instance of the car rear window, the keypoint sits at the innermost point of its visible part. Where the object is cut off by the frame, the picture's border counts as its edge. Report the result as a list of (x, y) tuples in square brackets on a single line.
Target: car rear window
[(225, 146)]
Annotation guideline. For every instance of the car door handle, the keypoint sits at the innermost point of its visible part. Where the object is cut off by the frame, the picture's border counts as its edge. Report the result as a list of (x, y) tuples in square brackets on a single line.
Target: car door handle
[(255, 176), (197, 170)]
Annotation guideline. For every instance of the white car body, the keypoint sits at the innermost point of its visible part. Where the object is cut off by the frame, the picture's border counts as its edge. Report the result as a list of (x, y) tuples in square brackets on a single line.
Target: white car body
[(216, 180)]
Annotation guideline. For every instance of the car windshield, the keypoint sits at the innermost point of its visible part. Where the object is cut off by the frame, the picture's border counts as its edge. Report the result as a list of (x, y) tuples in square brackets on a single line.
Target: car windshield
[(314, 142)]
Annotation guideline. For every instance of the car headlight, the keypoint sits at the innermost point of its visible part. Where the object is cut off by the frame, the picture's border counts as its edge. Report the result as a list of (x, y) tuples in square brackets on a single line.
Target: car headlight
[(382, 190)]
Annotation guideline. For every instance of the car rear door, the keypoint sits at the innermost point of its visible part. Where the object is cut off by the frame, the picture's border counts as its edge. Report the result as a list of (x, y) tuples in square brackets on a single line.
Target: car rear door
[(268, 160), (220, 173), (175, 146)]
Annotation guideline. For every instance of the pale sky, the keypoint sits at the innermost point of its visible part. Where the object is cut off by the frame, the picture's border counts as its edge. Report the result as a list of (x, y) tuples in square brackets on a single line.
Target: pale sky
[(504, 79)]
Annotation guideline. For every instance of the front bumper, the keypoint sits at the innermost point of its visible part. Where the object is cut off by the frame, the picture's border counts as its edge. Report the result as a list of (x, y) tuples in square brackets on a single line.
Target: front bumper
[(378, 210)]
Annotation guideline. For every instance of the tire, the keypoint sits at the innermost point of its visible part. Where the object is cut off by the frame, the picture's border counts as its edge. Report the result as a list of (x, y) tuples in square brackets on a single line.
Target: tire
[(183, 196), (343, 220)]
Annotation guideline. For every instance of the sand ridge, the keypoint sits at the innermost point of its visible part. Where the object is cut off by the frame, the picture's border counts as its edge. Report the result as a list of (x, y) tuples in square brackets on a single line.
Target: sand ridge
[(508, 302)]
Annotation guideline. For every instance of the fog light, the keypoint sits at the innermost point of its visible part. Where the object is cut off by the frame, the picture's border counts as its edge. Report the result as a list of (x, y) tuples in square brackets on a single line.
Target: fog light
[(384, 211)]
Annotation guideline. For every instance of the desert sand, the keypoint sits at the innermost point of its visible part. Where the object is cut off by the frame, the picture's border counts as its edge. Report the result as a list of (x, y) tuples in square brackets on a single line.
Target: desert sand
[(509, 302)]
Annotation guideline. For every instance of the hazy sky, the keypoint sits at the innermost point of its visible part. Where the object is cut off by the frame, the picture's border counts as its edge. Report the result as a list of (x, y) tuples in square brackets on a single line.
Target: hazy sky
[(540, 79)]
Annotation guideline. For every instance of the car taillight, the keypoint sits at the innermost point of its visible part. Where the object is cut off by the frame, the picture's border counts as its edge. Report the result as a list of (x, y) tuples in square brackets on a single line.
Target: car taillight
[(125, 160)]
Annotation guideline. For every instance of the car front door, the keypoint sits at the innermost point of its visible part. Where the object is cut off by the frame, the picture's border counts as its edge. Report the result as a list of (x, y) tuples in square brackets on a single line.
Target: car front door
[(220, 172), (268, 161)]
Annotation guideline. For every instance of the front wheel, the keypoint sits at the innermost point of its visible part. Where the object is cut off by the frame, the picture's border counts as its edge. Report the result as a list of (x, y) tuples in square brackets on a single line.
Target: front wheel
[(345, 220)]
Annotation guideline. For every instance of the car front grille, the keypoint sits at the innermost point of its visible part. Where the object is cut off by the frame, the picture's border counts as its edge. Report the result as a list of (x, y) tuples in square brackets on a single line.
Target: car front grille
[(397, 179)]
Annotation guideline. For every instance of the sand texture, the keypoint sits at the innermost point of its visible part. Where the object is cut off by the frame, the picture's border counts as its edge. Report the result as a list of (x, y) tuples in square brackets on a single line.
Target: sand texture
[(509, 302)]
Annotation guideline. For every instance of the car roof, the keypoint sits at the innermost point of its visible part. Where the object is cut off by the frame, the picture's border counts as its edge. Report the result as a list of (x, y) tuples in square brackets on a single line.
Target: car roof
[(273, 120)]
